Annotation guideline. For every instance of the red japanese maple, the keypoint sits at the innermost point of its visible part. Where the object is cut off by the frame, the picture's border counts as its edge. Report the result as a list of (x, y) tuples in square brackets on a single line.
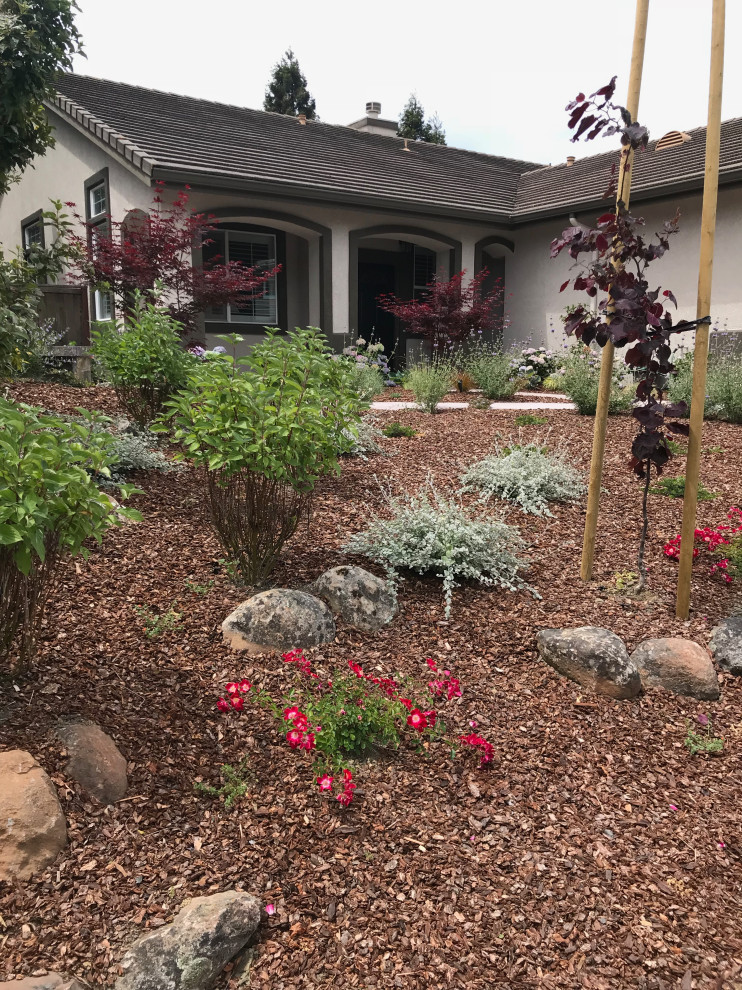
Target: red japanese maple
[(157, 247), (451, 312)]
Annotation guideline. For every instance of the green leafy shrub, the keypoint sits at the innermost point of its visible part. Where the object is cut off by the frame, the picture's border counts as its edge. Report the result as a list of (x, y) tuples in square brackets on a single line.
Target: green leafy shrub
[(158, 623), (429, 382), (528, 476), (492, 370), (396, 429), (675, 488), (580, 379), (429, 533), (236, 783), (723, 385), (49, 508), (263, 436), (145, 360), (697, 741)]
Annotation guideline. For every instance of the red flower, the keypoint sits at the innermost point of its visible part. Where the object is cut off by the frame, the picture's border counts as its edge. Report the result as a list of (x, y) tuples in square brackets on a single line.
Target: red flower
[(417, 720), (347, 775), (431, 718), (232, 688), (289, 714), (454, 689), (223, 705), (237, 703), (308, 742), (245, 686), (345, 798), (325, 782), (432, 664), (294, 738), (406, 702)]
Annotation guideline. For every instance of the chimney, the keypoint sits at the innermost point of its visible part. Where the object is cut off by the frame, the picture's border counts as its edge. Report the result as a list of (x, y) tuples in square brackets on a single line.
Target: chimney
[(373, 123), (302, 118), (570, 159)]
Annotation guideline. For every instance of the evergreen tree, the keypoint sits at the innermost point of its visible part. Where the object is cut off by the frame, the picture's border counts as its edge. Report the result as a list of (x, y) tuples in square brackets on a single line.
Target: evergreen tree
[(412, 124), (287, 91)]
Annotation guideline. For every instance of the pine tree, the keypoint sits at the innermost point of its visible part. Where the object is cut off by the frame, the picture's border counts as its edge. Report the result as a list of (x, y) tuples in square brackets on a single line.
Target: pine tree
[(412, 124), (287, 91)]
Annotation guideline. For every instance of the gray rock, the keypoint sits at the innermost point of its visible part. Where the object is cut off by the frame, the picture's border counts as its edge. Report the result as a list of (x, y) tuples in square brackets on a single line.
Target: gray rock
[(593, 657), (279, 619), (726, 645), (192, 951), (33, 829), (95, 761), (52, 981), (678, 665), (362, 599)]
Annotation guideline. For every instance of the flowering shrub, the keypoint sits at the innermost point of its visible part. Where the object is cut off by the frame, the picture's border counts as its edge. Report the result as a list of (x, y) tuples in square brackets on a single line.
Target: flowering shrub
[(528, 476), (429, 382), (491, 369), (352, 715), (716, 540), (369, 354), (535, 364), (579, 379), (430, 534)]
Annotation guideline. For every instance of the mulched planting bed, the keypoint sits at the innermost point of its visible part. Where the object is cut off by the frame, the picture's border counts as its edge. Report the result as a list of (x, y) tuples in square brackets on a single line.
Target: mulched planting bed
[(593, 852)]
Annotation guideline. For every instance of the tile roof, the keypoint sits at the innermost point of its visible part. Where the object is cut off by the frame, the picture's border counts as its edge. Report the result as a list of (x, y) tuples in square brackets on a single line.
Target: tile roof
[(173, 133), (166, 135)]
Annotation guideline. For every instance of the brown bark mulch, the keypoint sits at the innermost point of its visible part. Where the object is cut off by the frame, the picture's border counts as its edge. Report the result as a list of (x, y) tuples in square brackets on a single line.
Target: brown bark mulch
[(594, 852)]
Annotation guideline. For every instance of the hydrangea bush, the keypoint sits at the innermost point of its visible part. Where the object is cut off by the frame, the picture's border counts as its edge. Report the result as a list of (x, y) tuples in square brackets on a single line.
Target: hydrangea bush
[(429, 533), (527, 475), (535, 364), (369, 353)]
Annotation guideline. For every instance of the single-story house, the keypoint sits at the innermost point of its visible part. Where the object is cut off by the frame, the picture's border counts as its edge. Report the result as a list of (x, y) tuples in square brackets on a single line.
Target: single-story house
[(352, 212)]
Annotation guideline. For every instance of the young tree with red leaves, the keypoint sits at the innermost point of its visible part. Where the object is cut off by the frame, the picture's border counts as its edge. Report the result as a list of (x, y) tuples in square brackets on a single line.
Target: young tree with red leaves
[(157, 248), (450, 313)]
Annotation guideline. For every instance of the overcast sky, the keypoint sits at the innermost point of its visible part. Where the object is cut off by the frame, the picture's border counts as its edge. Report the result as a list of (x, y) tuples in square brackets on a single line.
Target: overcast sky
[(498, 73)]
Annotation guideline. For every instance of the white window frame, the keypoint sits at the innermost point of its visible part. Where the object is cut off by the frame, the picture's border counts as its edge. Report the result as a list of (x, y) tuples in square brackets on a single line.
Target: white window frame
[(103, 303), (37, 226), (269, 288), (92, 190)]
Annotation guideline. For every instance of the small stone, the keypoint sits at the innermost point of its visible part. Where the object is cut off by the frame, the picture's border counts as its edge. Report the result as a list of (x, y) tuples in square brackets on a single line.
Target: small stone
[(95, 762), (678, 665), (190, 953), (726, 645), (33, 829), (593, 657), (360, 598), (279, 619), (49, 981)]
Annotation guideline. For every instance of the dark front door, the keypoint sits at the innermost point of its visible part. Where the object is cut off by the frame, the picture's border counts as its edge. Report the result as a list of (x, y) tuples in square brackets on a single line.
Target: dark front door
[(375, 279)]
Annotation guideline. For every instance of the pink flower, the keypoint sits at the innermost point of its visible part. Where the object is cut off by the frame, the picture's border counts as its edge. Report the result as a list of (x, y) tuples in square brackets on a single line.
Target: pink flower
[(673, 807), (232, 688), (431, 718), (432, 664), (223, 705), (344, 798), (237, 703), (289, 714), (270, 909), (325, 782), (245, 686), (454, 689), (721, 845), (294, 738), (416, 720), (308, 742)]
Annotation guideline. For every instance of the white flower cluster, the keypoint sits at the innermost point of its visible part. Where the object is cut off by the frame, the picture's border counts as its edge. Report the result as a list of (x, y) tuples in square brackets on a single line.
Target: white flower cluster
[(431, 534), (528, 476)]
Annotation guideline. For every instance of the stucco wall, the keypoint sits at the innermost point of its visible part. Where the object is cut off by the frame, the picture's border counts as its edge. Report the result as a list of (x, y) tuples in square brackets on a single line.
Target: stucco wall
[(533, 279), (61, 174)]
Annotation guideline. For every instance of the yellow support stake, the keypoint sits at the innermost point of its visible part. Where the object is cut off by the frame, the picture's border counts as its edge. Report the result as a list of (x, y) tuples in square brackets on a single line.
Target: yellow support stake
[(606, 362), (703, 307)]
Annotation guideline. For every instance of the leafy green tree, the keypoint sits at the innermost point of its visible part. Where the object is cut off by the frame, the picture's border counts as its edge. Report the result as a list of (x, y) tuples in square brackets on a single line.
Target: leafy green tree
[(412, 123), (287, 91), (37, 41)]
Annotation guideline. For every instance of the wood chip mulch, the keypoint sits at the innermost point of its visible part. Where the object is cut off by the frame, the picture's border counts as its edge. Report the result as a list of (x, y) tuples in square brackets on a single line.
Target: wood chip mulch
[(594, 852)]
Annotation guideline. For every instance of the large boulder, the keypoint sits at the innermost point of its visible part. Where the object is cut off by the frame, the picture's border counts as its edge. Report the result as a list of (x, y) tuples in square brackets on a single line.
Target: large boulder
[(33, 830), (192, 951), (593, 657), (726, 645), (95, 761), (360, 598), (678, 665), (279, 619), (52, 981)]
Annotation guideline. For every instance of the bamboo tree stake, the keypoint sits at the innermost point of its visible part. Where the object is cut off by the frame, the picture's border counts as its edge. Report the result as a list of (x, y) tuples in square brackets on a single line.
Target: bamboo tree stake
[(703, 307), (606, 362)]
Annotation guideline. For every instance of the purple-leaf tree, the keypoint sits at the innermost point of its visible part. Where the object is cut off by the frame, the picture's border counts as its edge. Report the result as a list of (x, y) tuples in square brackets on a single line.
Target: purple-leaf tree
[(612, 259)]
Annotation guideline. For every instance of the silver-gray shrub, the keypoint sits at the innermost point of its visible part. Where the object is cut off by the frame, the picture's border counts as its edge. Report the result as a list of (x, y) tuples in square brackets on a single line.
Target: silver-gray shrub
[(528, 475), (492, 370), (366, 379), (427, 532), (136, 452), (363, 439), (429, 382)]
